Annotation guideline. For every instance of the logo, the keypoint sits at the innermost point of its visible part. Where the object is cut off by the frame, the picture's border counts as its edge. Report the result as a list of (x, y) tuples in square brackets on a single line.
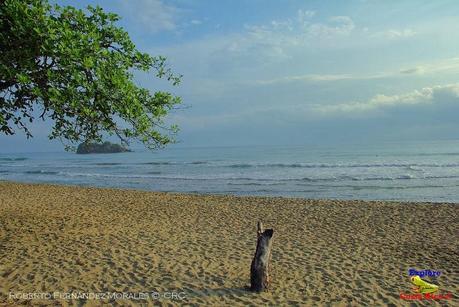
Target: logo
[(430, 273), (422, 286), (423, 290)]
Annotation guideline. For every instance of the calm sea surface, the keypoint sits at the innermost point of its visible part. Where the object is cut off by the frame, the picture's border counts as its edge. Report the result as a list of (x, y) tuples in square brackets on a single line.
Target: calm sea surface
[(427, 171)]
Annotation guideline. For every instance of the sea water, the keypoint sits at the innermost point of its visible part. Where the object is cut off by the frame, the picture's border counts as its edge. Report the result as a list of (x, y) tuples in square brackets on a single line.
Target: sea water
[(409, 171)]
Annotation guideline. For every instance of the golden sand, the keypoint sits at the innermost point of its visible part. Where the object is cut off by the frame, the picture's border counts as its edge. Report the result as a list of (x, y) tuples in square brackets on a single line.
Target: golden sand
[(194, 249)]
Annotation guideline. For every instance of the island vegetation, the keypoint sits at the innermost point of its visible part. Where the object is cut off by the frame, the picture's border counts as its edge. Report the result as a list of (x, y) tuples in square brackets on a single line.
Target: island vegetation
[(105, 147)]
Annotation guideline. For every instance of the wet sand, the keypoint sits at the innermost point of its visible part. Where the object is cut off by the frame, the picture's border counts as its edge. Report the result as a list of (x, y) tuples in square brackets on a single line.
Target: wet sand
[(177, 249)]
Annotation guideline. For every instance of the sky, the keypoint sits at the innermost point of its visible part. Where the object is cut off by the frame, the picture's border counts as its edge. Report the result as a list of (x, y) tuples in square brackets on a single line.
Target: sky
[(266, 72)]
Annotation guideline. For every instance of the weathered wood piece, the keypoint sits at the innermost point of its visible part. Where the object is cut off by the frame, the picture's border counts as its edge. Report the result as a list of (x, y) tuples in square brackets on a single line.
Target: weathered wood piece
[(259, 270)]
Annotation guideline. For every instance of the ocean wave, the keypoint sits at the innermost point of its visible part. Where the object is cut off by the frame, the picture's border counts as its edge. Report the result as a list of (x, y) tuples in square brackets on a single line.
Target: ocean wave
[(42, 172), (377, 187), (442, 177), (173, 163), (383, 178), (245, 180), (248, 165), (380, 187), (379, 178), (13, 159), (336, 178), (241, 165), (255, 184), (156, 163), (127, 176), (428, 154), (412, 166)]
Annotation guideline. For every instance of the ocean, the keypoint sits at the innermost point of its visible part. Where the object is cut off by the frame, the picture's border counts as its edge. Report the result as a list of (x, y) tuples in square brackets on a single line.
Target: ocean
[(409, 171)]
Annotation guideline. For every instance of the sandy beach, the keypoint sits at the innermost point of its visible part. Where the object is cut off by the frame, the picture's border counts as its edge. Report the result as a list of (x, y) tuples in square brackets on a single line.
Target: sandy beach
[(177, 249)]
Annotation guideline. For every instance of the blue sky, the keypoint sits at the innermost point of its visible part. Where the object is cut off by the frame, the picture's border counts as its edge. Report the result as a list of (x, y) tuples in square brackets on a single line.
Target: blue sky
[(297, 72)]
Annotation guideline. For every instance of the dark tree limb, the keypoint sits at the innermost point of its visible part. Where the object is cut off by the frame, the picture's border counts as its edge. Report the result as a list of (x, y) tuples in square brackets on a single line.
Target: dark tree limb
[(259, 270)]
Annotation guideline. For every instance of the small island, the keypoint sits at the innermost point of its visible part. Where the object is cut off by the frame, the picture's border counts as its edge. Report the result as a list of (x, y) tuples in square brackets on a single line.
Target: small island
[(106, 147)]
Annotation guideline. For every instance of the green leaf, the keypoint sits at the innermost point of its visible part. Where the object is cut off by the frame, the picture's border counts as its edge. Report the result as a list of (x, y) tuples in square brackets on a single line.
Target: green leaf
[(78, 66)]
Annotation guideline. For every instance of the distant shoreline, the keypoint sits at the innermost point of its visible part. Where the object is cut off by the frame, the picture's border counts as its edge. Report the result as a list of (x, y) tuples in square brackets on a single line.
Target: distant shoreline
[(222, 194)]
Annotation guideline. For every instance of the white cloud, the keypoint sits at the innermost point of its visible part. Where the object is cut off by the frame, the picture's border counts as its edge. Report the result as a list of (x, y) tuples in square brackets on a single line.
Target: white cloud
[(445, 66), (305, 15), (297, 29), (395, 34), (413, 70), (260, 47), (282, 51), (337, 25), (196, 22), (450, 65), (321, 78), (306, 78), (427, 95), (428, 110), (435, 97), (152, 14), (277, 38)]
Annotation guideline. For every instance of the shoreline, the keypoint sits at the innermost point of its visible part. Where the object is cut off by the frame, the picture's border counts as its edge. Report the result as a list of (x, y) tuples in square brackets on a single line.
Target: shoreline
[(178, 193), (198, 248)]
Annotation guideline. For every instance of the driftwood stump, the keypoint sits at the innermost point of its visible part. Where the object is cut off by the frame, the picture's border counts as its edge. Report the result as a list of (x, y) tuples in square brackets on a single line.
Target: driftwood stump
[(259, 270)]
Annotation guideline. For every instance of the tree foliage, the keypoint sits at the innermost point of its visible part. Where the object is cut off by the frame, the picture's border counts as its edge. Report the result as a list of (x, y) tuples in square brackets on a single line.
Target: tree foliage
[(76, 68)]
